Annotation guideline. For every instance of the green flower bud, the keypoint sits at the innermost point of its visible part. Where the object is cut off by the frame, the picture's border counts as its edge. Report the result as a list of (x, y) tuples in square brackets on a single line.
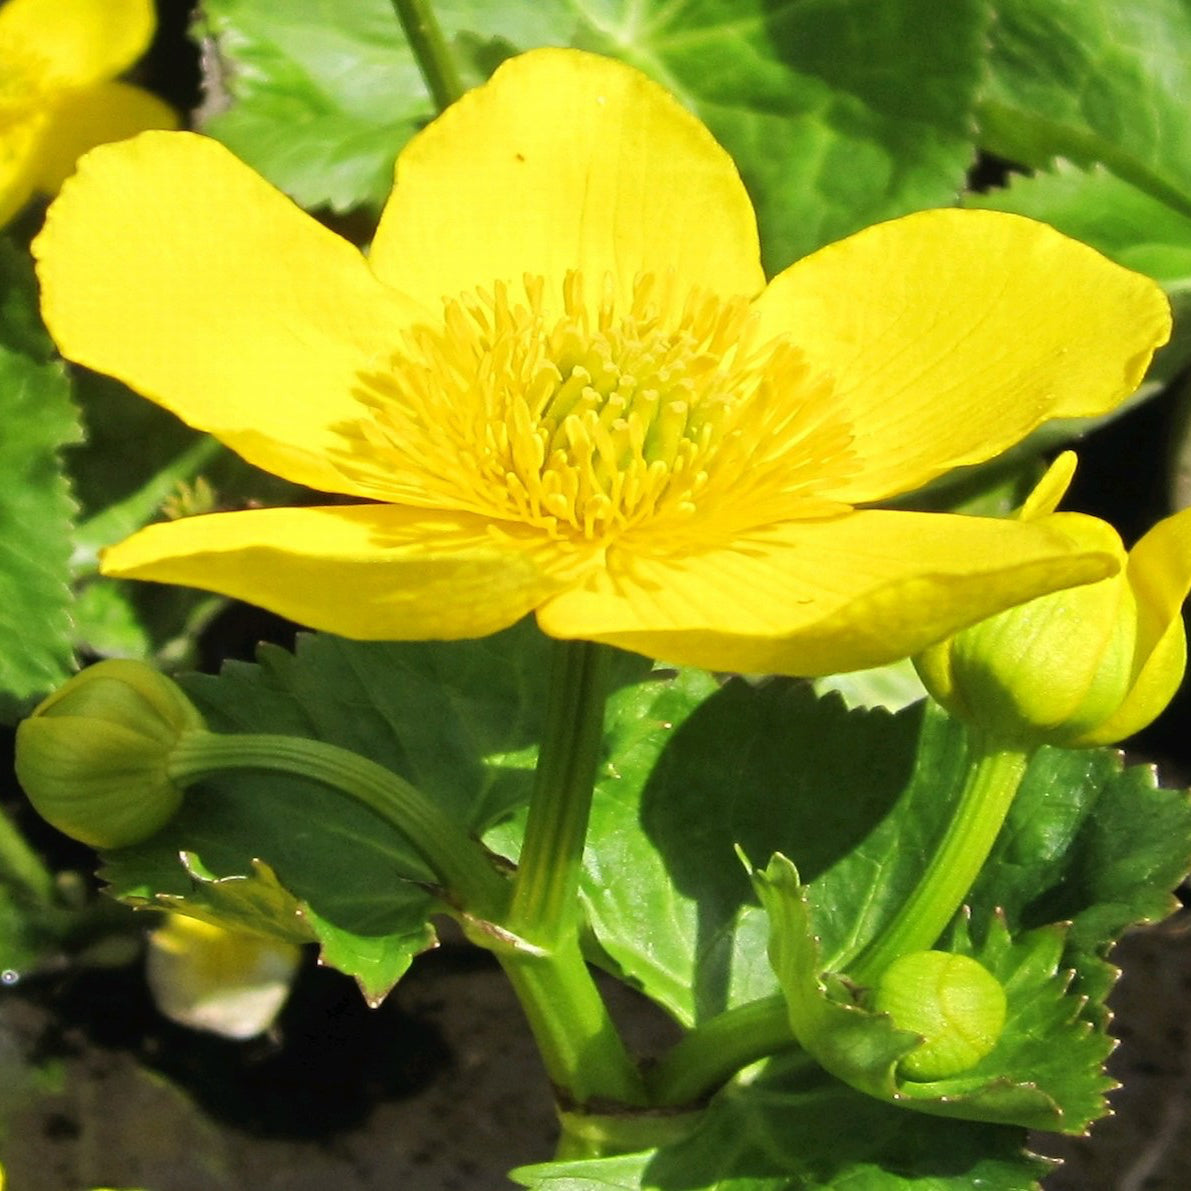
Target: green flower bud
[(94, 756), (1085, 666), (956, 1004)]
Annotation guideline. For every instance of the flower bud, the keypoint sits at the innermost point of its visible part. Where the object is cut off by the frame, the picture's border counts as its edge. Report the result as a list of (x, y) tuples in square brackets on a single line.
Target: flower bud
[(1084, 666), (955, 1003), (93, 757)]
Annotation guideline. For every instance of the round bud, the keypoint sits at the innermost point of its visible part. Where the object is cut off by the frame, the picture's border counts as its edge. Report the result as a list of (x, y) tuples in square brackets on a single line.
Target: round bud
[(93, 757), (953, 1002)]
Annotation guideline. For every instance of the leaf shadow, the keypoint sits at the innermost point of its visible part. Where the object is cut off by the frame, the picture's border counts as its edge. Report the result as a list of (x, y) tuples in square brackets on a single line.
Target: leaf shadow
[(767, 767)]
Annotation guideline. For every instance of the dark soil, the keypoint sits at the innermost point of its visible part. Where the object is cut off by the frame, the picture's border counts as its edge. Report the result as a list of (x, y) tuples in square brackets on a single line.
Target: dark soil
[(438, 1090)]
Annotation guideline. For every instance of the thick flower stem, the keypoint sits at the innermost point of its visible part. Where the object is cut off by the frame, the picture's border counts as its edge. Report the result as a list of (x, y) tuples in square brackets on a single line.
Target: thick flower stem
[(468, 880), (580, 1046), (995, 771), (713, 1052), (545, 892), (430, 50), (582, 1051)]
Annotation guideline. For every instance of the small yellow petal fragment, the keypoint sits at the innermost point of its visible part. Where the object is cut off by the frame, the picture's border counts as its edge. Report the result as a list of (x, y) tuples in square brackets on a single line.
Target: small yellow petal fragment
[(228, 982)]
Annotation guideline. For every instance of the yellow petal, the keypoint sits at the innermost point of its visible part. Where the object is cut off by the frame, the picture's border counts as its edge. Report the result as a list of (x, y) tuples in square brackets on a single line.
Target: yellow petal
[(80, 41), (167, 263), (1051, 489), (373, 572), (90, 116), (1159, 572), (209, 977), (18, 166), (566, 160), (951, 335), (819, 597)]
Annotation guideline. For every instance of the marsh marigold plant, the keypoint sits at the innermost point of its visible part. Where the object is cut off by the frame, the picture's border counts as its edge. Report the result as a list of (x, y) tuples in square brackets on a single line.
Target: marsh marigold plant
[(59, 95), (559, 383)]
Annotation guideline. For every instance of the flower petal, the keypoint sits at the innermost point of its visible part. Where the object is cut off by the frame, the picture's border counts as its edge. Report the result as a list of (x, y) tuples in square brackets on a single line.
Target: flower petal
[(1159, 572), (80, 41), (90, 116), (565, 160), (373, 572), (1050, 490), (820, 597), (952, 334), (18, 166), (167, 263)]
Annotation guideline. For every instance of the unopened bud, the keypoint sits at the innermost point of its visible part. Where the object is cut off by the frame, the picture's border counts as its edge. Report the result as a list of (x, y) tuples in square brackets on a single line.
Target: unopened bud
[(955, 1003), (1085, 666), (93, 757)]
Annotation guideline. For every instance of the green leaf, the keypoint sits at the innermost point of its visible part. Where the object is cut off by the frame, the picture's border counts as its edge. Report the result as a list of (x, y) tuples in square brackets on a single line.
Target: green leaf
[(255, 901), (767, 767), (376, 962), (858, 798), (1103, 82), (787, 1124), (1086, 842), (871, 119), (33, 919), (1045, 1072), (893, 686), (1054, 1038), (1094, 95), (322, 95), (1123, 221), (129, 442), (130, 619), (625, 880), (36, 509), (432, 713), (1090, 842)]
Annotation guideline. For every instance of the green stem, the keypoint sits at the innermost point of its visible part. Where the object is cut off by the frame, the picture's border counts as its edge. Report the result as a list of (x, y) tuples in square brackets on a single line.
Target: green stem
[(458, 862), (578, 1040), (713, 1052), (430, 51), (995, 771), (22, 867), (589, 1135), (545, 892), (580, 1046)]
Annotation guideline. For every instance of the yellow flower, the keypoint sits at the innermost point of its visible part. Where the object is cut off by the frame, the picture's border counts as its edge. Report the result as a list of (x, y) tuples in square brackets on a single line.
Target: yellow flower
[(58, 97), (1087, 666), (210, 977), (559, 384)]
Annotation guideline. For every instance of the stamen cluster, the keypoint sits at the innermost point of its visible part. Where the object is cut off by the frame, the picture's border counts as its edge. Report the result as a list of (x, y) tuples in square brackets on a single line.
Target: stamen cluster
[(591, 422)]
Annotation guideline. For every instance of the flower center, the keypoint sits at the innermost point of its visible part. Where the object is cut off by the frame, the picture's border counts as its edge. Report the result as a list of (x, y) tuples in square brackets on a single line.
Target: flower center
[(592, 422)]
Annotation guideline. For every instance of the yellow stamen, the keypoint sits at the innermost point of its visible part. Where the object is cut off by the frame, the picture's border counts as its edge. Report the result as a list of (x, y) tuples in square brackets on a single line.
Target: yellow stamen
[(587, 427)]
